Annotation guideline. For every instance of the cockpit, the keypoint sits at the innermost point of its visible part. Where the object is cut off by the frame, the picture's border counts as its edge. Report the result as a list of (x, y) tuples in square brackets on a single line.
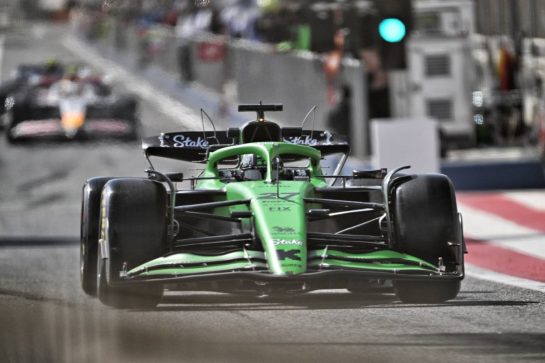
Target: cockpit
[(268, 161), (253, 167)]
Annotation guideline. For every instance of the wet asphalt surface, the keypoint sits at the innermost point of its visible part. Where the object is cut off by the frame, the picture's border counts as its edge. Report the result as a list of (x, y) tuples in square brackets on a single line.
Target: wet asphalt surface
[(45, 317)]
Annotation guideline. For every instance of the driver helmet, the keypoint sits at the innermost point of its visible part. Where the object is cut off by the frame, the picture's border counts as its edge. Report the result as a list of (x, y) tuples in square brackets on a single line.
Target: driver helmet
[(68, 88), (251, 161)]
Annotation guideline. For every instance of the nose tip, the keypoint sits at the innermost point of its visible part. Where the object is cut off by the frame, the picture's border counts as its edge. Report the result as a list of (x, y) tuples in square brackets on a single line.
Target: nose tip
[(72, 121)]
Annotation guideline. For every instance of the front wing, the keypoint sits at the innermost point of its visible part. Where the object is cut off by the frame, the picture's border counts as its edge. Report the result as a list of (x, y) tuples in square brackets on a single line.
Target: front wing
[(51, 129), (322, 264)]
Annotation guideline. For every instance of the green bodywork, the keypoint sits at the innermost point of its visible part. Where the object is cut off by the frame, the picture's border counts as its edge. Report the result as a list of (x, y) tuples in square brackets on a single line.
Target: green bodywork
[(278, 213)]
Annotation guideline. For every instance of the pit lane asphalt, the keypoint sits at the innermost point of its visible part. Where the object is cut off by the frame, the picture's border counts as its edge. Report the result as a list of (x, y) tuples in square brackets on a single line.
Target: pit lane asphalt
[(44, 316)]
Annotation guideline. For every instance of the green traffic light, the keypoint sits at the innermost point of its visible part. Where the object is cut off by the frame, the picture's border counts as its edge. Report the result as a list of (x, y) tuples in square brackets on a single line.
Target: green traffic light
[(392, 30)]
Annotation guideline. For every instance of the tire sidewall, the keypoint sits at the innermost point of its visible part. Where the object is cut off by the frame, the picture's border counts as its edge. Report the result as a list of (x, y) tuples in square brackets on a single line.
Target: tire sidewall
[(89, 232), (133, 223), (425, 217), (425, 220)]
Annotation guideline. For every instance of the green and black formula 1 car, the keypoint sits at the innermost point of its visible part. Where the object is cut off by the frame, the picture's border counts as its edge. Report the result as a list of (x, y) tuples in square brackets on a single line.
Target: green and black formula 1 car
[(263, 218)]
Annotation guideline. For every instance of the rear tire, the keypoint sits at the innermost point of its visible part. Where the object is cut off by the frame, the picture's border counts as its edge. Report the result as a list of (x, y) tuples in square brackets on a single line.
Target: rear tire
[(9, 137), (134, 224), (90, 216), (426, 219), (22, 110), (126, 108)]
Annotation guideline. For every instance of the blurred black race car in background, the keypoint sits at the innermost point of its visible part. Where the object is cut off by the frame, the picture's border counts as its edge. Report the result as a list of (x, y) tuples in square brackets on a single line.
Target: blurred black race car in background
[(56, 102)]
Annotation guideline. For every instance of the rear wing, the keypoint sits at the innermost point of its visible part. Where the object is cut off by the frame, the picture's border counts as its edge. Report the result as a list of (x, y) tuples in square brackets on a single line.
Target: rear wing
[(194, 146), (27, 70), (188, 145)]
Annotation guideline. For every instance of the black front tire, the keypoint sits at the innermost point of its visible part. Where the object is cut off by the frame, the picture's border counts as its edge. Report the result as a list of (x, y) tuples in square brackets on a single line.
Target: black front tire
[(426, 220), (426, 292), (90, 216), (134, 224), (125, 297)]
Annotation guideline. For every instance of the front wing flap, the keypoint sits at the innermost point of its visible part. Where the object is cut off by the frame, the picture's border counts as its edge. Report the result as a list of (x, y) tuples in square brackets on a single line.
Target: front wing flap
[(321, 264)]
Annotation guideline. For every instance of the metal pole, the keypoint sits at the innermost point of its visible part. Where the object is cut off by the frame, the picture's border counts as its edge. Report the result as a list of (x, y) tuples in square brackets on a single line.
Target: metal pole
[(359, 123)]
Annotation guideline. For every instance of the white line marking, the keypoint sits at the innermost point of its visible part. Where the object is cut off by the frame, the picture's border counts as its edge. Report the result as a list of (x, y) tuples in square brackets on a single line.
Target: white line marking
[(533, 199), (531, 245), (483, 274), (487, 226), (502, 232), (164, 103)]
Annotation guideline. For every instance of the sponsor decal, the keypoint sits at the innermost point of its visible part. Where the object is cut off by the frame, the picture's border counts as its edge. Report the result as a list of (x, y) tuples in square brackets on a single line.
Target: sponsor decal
[(279, 209), (288, 255), (268, 196), (301, 140), (287, 242), (183, 141), (162, 140), (210, 51), (279, 229)]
